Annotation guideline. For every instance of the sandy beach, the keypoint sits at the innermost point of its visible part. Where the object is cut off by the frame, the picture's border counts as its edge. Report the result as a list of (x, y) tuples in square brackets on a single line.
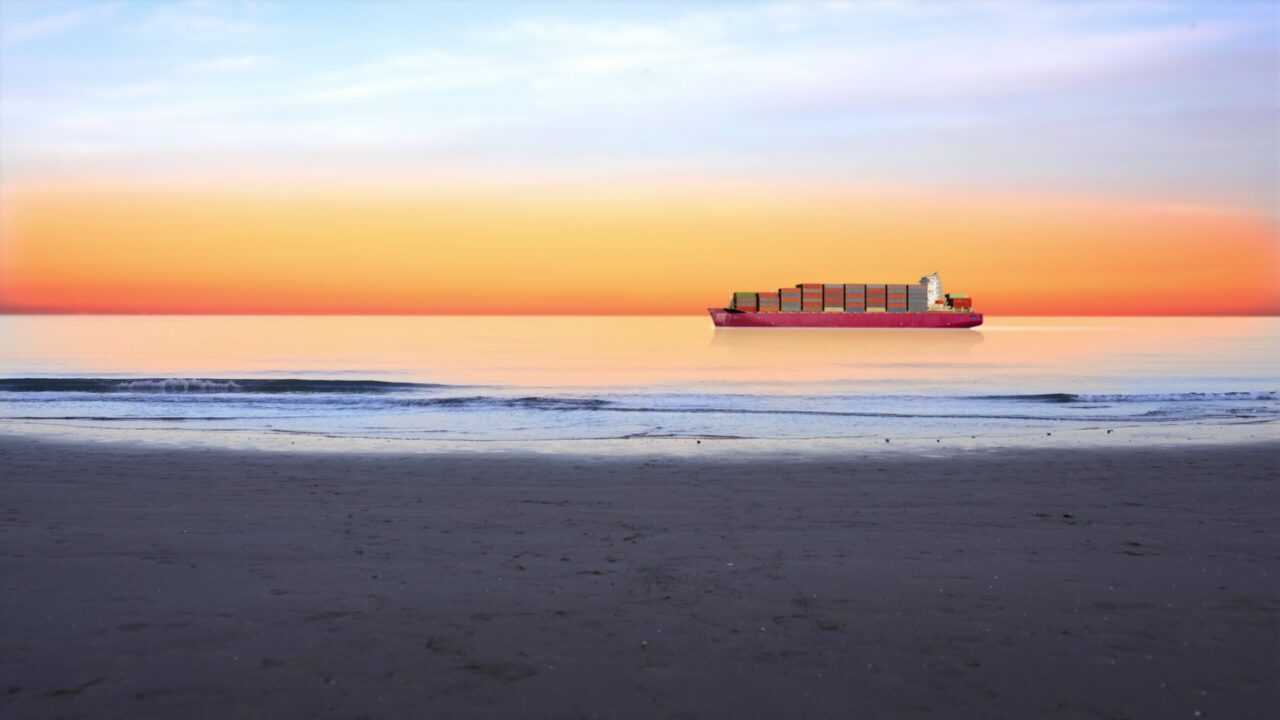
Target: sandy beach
[(1083, 583)]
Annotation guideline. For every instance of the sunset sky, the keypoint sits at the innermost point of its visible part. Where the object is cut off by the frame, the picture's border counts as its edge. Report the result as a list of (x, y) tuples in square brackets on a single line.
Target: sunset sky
[(636, 158)]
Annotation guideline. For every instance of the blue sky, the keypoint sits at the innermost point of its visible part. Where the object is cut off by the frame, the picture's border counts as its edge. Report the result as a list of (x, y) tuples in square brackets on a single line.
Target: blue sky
[(1167, 102)]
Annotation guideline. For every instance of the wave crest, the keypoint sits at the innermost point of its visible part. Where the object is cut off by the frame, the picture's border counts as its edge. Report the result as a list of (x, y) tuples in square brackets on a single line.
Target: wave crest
[(1134, 397), (204, 385)]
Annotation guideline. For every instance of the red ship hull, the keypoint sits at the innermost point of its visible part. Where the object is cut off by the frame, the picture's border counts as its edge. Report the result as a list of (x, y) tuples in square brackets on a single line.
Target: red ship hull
[(724, 317)]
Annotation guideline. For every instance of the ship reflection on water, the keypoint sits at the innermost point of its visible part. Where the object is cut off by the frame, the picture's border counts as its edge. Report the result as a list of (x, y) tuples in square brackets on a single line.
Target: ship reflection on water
[(825, 355), (859, 341)]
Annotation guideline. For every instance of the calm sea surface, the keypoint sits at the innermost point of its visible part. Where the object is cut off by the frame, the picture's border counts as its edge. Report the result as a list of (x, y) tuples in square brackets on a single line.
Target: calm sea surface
[(553, 378)]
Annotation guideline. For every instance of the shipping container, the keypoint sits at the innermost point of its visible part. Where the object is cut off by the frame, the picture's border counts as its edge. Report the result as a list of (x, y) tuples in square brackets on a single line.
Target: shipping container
[(833, 298), (744, 301)]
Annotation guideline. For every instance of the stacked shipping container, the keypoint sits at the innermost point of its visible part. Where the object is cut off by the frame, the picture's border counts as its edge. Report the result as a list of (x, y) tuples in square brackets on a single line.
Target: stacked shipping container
[(811, 296), (895, 298), (833, 298), (790, 299), (917, 298), (875, 298), (855, 297)]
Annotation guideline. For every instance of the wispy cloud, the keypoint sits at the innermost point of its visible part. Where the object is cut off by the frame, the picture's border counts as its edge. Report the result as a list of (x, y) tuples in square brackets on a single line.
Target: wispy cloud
[(229, 64), (16, 31), (882, 89), (206, 20), (407, 72), (132, 91)]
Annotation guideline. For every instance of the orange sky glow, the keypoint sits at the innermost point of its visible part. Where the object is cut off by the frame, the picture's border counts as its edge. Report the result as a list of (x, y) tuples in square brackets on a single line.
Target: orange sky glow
[(661, 249)]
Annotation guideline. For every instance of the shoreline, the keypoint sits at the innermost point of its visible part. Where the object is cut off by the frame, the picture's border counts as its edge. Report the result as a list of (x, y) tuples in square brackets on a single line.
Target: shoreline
[(145, 580), (943, 444)]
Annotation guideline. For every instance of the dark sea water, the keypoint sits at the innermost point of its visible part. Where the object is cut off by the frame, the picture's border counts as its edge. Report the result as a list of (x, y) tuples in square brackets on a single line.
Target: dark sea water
[(516, 379)]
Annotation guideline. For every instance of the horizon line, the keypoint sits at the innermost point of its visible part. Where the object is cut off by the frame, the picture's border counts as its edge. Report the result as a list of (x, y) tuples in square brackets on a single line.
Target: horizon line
[(90, 313)]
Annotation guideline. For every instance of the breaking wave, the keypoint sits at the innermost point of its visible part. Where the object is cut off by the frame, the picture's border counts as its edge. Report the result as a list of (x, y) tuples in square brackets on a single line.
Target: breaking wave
[(1134, 397), (204, 385), (524, 403), (359, 408)]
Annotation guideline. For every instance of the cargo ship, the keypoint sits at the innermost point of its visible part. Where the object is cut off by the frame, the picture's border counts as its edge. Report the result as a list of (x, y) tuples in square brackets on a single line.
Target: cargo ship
[(851, 305)]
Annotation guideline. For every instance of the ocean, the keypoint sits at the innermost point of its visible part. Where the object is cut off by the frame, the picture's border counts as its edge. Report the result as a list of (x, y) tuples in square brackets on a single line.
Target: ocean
[(536, 379)]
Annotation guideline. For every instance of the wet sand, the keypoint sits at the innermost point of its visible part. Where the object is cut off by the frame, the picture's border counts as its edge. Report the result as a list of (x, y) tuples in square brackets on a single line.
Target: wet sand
[(137, 582)]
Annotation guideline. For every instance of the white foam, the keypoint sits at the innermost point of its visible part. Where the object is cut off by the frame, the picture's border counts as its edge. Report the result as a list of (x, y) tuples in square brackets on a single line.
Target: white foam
[(1179, 397), (179, 385)]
